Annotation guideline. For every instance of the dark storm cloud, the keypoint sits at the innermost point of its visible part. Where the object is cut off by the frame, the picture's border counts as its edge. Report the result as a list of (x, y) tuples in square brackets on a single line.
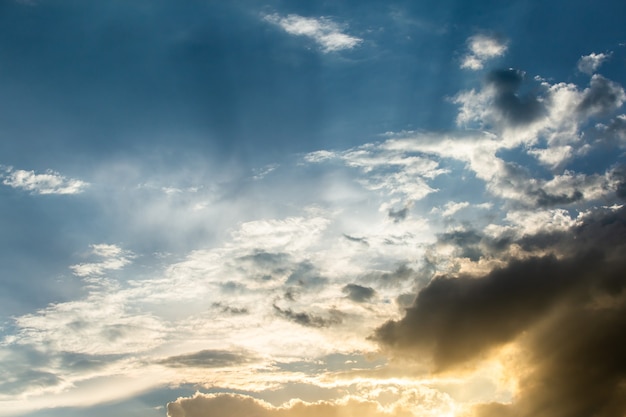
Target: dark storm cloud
[(358, 293), (568, 311), (207, 359), (309, 319), (602, 97), (398, 215), (515, 109)]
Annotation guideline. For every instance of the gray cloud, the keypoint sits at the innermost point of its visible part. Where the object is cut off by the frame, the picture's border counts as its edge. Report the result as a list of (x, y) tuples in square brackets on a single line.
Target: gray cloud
[(394, 278), (207, 359), (567, 308), (309, 319), (467, 240), (398, 215), (356, 239), (619, 175), (358, 293), (515, 109), (230, 309), (545, 199), (602, 97), (306, 275)]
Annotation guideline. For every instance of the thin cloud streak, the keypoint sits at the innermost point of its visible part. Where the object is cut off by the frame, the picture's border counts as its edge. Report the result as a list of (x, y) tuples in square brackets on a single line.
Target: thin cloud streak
[(326, 33)]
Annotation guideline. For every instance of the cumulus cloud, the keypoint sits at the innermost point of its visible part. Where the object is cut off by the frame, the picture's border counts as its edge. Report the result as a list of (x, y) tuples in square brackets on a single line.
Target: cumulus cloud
[(564, 307), (326, 33), (232, 405), (50, 182), (602, 97), (481, 48), (590, 63)]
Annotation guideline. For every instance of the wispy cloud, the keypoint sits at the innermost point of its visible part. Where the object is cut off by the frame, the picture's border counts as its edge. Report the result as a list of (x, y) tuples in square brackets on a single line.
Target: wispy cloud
[(114, 258), (481, 48), (326, 33), (50, 182)]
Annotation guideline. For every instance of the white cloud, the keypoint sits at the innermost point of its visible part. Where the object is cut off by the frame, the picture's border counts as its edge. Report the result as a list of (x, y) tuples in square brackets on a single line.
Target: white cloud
[(326, 33), (114, 259), (590, 63), (51, 182), (452, 207), (482, 48)]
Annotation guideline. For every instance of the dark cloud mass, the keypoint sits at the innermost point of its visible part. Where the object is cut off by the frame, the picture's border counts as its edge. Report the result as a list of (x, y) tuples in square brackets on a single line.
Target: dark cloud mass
[(516, 109), (602, 97), (566, 305)]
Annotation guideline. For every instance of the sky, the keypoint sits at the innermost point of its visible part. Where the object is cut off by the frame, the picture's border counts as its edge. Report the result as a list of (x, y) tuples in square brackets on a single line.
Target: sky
[(332, 208)]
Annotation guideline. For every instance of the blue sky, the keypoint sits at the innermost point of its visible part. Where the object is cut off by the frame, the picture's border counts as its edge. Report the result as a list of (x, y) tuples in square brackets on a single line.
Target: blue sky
[(302, 208)]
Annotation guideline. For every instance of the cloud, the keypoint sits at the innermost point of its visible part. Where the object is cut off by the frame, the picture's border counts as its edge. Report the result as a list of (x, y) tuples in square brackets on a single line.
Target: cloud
[(451, 208), (310, 319), (114, 259), (482, 48), (397, 172), (233, 405), (590, 63), (51, 182), (358, 293), (602, 97), (513, 108), (398, 215), (208, 359), (563, 303), (326, 33)]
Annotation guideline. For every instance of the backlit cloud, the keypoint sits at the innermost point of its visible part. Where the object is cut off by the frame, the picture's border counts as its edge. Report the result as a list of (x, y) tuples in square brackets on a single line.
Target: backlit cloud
[(565, 308)]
